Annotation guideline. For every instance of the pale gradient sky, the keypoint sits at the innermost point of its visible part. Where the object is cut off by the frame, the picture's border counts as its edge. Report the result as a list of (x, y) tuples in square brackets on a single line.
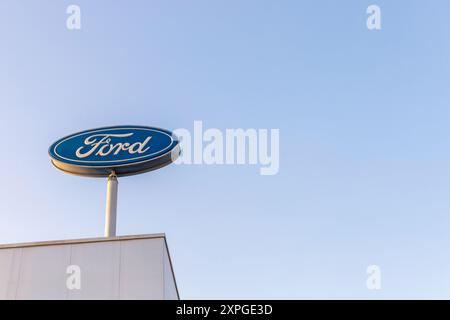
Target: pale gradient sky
[(364, 127)]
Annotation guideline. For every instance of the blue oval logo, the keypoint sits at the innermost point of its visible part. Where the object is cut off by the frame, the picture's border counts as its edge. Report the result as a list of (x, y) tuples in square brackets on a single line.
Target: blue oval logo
[(123, 149)]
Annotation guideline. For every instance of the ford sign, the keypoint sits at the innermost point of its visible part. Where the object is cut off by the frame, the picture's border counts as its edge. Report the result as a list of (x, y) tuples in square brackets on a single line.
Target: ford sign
[(126, 150)]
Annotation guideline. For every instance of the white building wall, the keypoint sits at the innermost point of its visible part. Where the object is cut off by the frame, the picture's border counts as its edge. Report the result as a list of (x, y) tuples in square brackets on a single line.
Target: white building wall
[(130, 267), (170, 286)]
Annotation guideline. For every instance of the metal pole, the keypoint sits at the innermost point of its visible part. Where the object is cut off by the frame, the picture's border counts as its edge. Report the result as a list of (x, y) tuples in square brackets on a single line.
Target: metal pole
[(111, 206)]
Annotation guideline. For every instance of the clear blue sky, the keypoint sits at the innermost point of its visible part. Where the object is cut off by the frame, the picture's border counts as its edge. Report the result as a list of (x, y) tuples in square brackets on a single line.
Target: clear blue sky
[(364, 127)]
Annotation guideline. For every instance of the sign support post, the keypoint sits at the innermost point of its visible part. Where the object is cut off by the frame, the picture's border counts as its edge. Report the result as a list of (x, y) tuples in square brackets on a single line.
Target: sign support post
[(111, 205)]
